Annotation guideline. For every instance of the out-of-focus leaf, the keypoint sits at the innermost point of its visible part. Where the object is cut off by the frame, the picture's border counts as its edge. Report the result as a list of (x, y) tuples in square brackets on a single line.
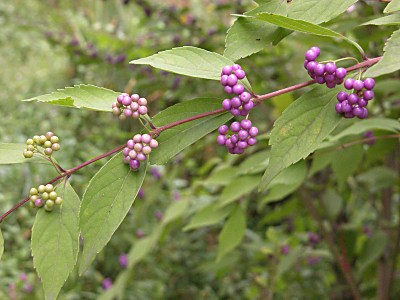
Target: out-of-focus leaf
[(1, 244), (393, 6), (332, 203), (378, 178), (237, 188), (386, 20), (372, 249), (346, 162), (207, 216)]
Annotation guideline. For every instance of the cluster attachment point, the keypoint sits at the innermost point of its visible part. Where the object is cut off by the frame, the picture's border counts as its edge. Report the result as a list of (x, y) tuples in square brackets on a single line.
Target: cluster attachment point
[(129, 106), (137, 149), (44, 196)]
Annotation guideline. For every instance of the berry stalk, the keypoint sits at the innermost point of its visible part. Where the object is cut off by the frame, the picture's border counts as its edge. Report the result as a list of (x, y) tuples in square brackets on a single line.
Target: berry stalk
[(158, 130)]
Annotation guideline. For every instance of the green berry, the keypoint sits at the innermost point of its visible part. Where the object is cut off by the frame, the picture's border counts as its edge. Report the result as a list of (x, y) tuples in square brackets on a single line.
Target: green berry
[(34, 198), (48, 151), (36, 139), (41, 188), (48, 208), (47, 144), (29, 141), (30, 147), (33, 191), (49, 135), (32, 204), (49, 188), (28, 154), (54, 139), (59, 200), (42, 139), (55, 147), (53, 195), (50, 203), (45, 196)]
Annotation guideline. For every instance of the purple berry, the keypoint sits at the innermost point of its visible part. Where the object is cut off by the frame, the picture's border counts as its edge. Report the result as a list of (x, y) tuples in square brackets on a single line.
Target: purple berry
[(320, 79), (330, 68), (248, 106), (127, 101), (358, 85), (120, 98), (226, 104), (126, 159), (346, 107), (285, 249), (319, 70), (146, 138), (253, 131), (228, 90), (245, 124), (341, 96), (348, 83), (229, 144), (364, 114), (369, 83), (243, 134), (234, 138), (107, 283), (123, 260), (242, 144), (368, 95), (240, 74), (330, 85), (244, 112), (227, 70), (310, 55), (305, 63), (329, 78), (245, 97), (134, 164), (338, 81), (232, 80), (236, 67), (311, 65), (353, 99), (128, 112), (238, 89), (142, 110), (349, 115), (235, 112), (235, 102), (130, 144), (224, 80), (125, 152), (340, 73), (221, 140), (362, 102), (338, 108), (235, 126), (251, 141), (316, 50), (223, 129), (357, 111)]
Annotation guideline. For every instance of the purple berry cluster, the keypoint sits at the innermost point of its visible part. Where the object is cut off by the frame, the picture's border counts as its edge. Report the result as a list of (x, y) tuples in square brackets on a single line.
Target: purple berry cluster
[(137, 149), (129, 106), (240, 104), (49, 142), (243, 135), (323, 73), (354, 104), (44, 195)]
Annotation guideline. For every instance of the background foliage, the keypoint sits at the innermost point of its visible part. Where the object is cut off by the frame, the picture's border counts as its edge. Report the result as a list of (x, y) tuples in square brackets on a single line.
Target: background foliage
[(199, 228)]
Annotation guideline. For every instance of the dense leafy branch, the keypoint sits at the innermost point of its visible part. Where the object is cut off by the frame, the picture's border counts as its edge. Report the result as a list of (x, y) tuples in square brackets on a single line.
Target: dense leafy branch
[(157, 130)]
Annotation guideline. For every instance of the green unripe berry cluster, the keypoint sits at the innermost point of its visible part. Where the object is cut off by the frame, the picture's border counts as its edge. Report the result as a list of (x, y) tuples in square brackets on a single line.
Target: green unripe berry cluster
[(44, 196), (49, 142)]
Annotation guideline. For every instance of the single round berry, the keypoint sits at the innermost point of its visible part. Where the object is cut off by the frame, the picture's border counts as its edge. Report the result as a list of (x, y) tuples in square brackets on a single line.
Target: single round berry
[(235, 126), (48, 208), (224, 80), (134, 164), (38, 202), (28, 154), (141, 157), (330, 68), (49, 188), (245, 97), (316, 50), (58, 201), (251, 141), (55, 147), (146, 138), (232, 80), (153, 144), (362, 102), (49, 203), (341, 96), (348, 83), (45, 196), (41, 188), (338, 108), (223, 129), (243, 135), (320, 79), (368, 95), (331, 85), (227, 70), (346, 107), (329, 78), (221, 140), (240, 74), (132, 154), (142, 110), (53, 195), (340, 73), (142, 101), (352, 99), (128, 112), (47, 144), (358, 85), (245, 124), (49, 134), (29, 142), (226, 104), (48, 151), (235, 112), (235, 102), (146, 150), (369, 83), (228, 90), (137, 138), (357, 111), (253, 131), (236, 67), (311, 66), (238, 89), (33, 191), (310, 55), (135, 97), (319, 70)]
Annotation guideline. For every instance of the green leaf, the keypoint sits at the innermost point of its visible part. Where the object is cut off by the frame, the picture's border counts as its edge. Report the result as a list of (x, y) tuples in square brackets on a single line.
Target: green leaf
[(321, 159), (386, 124), (303, 26), (175, 139), (12, 154), (80, 96), (318, 11), (332, 203), (286, 182), (378, 178), (222, 176), (255, 163), (189, 61), (238, 187), (232, 233), (106, 202), (143, 247), (288, 261), (393, 6), (372, 249), (386, 20), (300, 129), (390, 61), (1, 244), (207, 216), (346, 162), (248, 35), (55, 242)]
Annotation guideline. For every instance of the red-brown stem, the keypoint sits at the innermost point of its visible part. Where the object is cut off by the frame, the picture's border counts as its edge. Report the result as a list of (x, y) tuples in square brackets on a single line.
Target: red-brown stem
[(157, 131)]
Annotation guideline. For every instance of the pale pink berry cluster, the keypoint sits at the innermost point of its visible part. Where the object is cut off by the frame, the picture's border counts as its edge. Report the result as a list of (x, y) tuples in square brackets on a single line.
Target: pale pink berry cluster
[(137, 149), (129, 106)]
